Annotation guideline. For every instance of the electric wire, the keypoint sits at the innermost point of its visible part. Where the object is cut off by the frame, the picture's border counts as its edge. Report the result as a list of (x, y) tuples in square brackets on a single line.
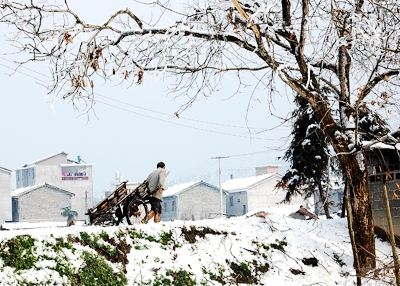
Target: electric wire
[(143, 108), (155, 118), (196, 169)]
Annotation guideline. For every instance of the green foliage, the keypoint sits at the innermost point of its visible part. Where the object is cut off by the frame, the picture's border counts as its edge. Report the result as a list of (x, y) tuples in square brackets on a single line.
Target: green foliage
[(68, 212), (18, 252), (141, 246), (93, 241), (308, 143), (64, 243), (261, 248), (165, 237), (174, 278), (243, 272), (96, 272), (218, 276), (141, 235), (279, 245)]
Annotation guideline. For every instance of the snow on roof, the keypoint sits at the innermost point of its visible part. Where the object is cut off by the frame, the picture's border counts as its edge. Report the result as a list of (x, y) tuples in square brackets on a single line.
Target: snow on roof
[(386, 142), (381, 145), (5, 170), (170, 191), (19, 191), (40, 160), (244, 183)]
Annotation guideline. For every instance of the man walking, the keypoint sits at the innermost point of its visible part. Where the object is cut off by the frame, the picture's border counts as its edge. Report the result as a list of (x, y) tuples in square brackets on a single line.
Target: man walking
[(156, 181)]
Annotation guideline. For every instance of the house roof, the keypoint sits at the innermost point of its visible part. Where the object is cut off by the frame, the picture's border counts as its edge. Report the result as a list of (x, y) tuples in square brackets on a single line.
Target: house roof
[(22, 191), (43, 159), (390, 141), (246, 183), (303, 213), (177, 189), (5, 170), (381, 146)]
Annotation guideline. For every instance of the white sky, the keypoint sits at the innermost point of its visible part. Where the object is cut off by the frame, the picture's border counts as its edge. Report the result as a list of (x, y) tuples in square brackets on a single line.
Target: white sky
[(326, 240), (129, 139)]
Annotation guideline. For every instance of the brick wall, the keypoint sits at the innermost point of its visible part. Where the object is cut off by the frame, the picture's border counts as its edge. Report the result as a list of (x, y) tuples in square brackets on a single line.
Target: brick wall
[(43, 204)]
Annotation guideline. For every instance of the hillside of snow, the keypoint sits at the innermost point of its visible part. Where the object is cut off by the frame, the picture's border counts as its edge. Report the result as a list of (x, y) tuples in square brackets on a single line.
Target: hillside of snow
[(265, 247)]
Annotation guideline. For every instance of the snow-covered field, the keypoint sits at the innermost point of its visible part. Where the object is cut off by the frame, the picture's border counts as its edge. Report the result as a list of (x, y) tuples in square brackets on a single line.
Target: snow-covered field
[(247, 250)]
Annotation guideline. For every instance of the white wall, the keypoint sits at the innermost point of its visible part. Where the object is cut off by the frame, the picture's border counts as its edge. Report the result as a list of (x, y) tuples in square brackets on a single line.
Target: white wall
[(5, 196)]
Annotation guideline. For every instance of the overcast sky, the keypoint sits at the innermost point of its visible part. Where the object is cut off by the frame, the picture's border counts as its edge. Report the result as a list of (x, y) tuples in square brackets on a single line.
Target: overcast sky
[(135, 127)]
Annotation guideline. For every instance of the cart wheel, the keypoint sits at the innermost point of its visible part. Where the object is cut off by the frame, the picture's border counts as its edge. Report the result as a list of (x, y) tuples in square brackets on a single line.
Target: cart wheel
[(137, 212)]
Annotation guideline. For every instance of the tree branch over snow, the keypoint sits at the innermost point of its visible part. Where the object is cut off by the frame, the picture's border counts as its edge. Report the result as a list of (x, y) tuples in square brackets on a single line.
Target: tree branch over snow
[(340, 57)]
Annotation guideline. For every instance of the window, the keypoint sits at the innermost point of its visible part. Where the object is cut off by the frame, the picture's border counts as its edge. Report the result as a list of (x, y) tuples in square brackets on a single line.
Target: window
[(165, 206), (231, 201), (244, 209), (173, 205), (74, 173), (33, 173)]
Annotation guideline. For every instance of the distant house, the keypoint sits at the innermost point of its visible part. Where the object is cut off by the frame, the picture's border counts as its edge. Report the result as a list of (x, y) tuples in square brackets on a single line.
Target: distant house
[(42, 202), (246, 194), (334, 200), (192, 201), (59, 171), (5, 195), (383, 162)]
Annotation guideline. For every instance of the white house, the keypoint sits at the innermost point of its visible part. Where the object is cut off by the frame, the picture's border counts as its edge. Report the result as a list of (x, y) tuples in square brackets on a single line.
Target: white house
[(5, 195), (246, 194), (38, 203), (59, 171), (192, 201)]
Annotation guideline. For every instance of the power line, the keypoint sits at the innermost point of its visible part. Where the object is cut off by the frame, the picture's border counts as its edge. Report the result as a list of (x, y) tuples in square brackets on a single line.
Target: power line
[(139, 107), (155, 118)]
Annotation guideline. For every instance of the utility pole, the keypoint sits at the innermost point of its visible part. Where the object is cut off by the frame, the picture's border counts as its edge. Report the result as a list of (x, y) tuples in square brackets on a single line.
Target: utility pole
[(220, 183)]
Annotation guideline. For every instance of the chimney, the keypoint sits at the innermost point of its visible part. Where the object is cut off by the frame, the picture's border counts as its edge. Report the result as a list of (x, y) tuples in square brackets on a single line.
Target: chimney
[(268, 169)]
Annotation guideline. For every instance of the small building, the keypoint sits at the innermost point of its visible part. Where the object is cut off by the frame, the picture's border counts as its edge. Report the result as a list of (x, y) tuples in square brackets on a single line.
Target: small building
[(267, 169), (303, 214), (192, 201), (334, 198), (42, 202), (57, 170), (5, 195), (383, 162), (247, 194)]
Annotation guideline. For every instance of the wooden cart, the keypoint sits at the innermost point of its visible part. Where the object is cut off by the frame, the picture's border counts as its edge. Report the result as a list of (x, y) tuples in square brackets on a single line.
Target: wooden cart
[(122, 203)]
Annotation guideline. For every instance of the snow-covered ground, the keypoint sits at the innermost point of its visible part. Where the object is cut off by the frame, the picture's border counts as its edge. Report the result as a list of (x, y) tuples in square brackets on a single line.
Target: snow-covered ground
[(277, 249)]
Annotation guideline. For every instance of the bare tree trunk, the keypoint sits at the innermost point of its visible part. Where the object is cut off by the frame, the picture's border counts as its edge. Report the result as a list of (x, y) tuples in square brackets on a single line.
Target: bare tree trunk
[(352, 238), (362, 218), (391, 235), (324, 200), (345, 192), (353, 165)]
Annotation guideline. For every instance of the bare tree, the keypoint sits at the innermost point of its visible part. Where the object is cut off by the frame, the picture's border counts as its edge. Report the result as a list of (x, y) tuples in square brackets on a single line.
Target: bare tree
[(350, 48)]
